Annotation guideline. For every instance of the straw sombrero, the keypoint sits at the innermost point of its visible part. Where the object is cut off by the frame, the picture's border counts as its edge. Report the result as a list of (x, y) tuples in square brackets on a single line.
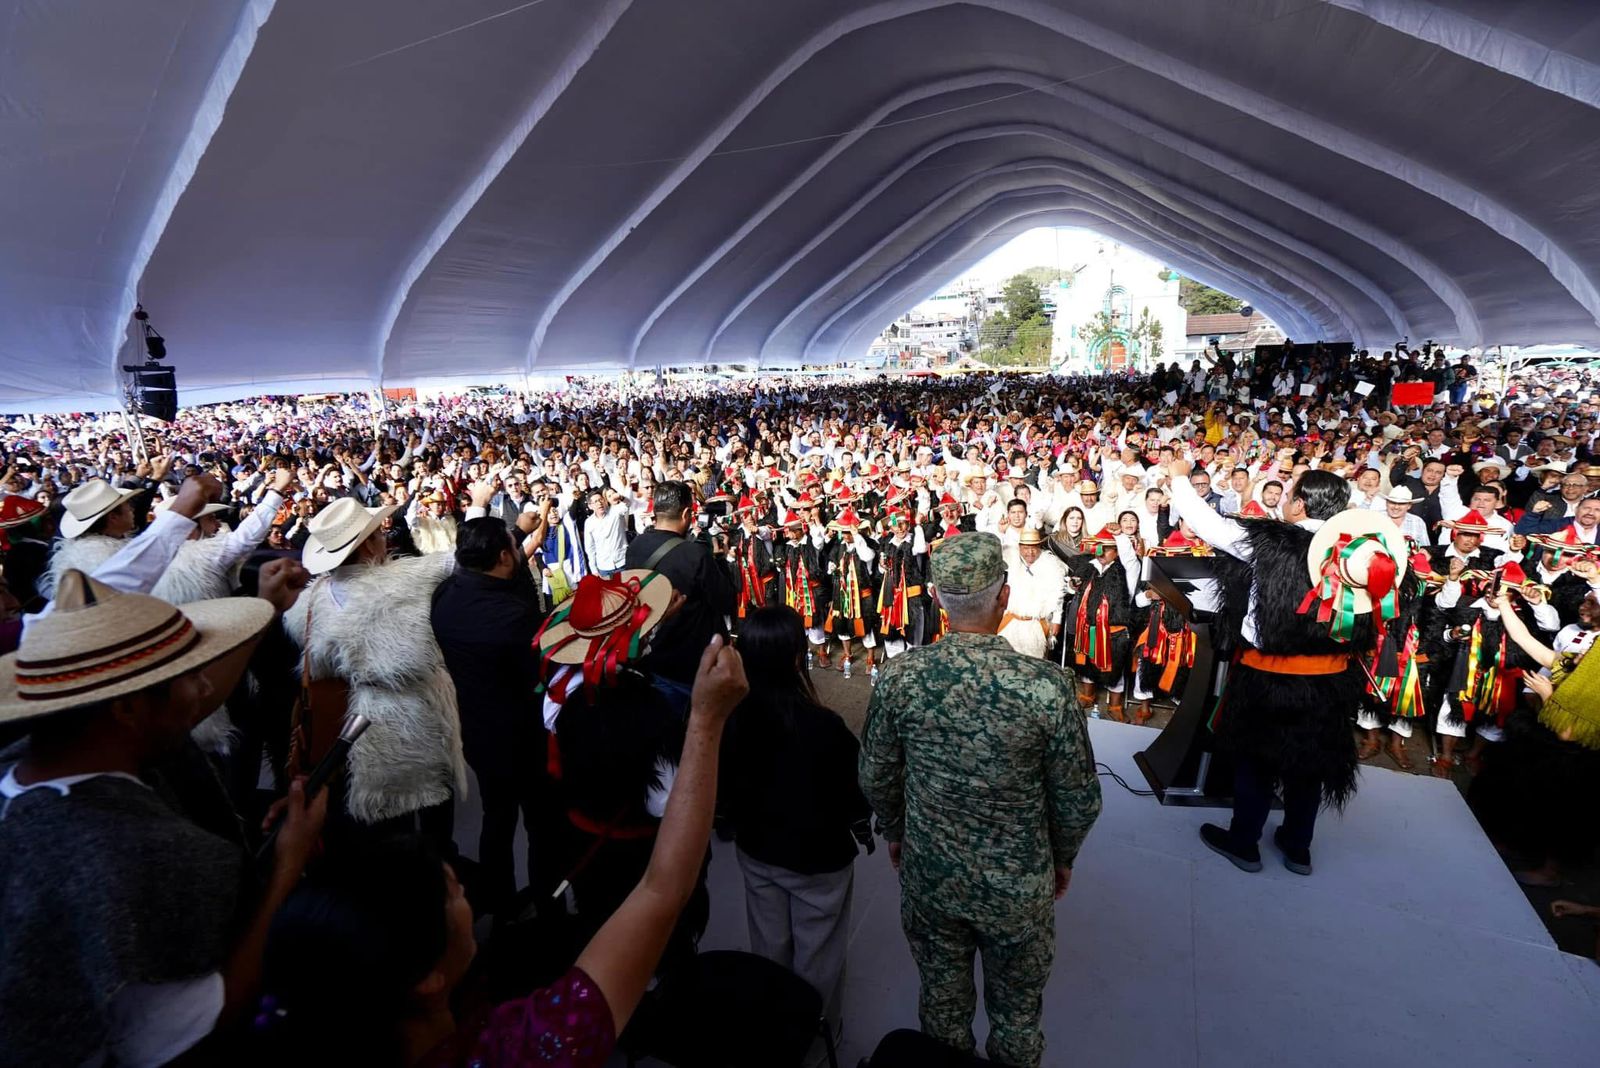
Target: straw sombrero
[(1356, 557), (89, 503), (605, 622), (1031, 536), (337, 531), (97, 644)]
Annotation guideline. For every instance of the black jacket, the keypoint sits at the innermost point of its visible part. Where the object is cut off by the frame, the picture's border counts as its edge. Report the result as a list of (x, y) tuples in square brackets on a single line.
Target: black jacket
[(709, 597), (792, 790), (485, 628)]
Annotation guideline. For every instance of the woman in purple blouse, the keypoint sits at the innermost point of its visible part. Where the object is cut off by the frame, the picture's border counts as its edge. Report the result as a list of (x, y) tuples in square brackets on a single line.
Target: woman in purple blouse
[(361, 963)]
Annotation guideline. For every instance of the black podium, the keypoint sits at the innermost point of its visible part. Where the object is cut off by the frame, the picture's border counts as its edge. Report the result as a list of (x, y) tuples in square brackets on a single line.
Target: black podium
[(1181, 765)]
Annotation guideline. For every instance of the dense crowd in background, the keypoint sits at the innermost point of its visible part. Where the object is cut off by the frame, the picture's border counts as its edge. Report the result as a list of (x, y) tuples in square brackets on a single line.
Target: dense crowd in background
[(468, 570)]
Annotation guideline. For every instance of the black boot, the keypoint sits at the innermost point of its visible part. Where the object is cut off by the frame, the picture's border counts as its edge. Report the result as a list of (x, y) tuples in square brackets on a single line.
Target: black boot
[(1296, 860), (1218, 840)]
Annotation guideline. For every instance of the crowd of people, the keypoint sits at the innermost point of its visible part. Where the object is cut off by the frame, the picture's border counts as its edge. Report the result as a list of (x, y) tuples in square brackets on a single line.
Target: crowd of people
[(546, 588)]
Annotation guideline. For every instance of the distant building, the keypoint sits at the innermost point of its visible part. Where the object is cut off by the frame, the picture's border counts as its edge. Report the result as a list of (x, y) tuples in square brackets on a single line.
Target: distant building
[(1118, 311), (1230, 333)]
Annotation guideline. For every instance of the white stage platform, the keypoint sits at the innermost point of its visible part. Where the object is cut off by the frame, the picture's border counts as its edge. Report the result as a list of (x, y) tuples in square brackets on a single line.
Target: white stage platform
[(1410, 945)]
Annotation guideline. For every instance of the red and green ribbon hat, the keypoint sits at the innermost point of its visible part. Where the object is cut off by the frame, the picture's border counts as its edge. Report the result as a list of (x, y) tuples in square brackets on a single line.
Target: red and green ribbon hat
[(1253, 510), (1356, 562), (16, 511), (1563, 543), (604, 624), (1105, 540), (1178, 543), (1471, 523)]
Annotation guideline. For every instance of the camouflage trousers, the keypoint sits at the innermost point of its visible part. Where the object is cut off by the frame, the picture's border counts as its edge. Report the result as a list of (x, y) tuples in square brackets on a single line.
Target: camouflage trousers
[(1017, 955)]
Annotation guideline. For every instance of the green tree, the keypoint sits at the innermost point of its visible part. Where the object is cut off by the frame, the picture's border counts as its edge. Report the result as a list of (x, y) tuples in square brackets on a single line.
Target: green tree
[(1022, 299), (1100, 329), (1199, 299), (996, 332), (1147, 331), (1032, 344), (1049, 276)]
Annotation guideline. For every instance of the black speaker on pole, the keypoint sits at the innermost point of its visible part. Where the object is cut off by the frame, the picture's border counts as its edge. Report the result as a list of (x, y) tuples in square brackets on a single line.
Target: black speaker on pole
[(154, 389)]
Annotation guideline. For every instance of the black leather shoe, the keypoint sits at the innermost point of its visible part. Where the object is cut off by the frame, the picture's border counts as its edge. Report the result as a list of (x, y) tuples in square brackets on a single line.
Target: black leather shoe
[(1219, 841), (1296, 860)]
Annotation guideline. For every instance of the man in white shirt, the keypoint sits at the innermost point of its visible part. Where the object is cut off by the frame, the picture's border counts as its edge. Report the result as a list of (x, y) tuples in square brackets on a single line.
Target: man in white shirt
[(1484, 501), (1037, 580), (1397, 503), (605, 538)]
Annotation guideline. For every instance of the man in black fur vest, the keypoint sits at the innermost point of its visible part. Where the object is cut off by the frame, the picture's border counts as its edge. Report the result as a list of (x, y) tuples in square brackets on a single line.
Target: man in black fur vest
[(1294, 687)]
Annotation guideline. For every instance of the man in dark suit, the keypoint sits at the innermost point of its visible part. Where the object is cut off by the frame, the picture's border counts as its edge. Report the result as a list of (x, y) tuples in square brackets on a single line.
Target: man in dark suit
[(484, 618), (1424, 488), (709, 596)]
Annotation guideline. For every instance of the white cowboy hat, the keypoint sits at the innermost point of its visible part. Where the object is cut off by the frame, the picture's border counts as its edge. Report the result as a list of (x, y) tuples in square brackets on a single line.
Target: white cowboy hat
[(98, 644), (337, 531), (1400, 495), (90, 502), (211, 509), (1356, 571), (1483, 465)]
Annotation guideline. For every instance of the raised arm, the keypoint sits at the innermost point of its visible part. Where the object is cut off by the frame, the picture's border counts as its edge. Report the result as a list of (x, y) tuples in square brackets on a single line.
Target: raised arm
[(1518, 631), (621, 958), (1222, 534)]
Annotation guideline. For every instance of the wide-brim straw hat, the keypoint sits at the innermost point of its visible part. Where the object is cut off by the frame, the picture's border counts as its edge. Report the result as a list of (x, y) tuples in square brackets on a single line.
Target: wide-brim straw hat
[(1370, 535), (338, 530), (625, 608), (1031, 536), (97, 644), (89, 503)]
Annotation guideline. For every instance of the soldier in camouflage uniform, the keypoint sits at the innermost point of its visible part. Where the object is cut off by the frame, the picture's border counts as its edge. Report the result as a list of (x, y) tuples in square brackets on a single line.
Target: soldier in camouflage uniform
[(977, 762)]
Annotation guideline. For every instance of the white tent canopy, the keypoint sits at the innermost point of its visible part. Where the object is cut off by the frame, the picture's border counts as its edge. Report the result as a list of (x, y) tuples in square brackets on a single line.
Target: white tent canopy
[(310, 195)]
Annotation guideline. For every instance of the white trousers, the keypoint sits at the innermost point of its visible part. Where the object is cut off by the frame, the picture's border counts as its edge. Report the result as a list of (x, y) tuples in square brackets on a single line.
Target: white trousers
[(802, 922), (1368, 722)]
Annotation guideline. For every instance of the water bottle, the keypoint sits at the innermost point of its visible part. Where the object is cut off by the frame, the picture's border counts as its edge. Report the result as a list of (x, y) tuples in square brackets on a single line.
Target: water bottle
[(847, 667), (874, 680), (811, 660)]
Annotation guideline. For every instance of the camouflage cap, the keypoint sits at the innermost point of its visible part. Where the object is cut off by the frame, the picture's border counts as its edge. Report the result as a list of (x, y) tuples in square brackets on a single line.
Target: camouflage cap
[(968, 563)]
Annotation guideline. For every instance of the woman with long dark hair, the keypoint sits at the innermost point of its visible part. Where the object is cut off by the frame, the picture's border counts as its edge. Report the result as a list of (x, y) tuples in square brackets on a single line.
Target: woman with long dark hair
[(795, 807)]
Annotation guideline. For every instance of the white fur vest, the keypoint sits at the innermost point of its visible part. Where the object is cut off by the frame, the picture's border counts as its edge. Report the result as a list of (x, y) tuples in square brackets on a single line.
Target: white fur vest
[(195, 574), (378, 637)]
